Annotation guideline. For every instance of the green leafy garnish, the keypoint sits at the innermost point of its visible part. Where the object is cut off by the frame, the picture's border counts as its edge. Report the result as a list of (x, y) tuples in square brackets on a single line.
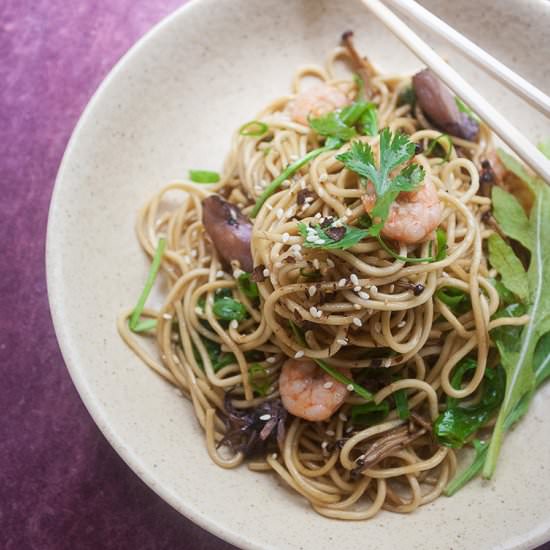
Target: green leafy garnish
[(369, 414), (229, 309), (248, 287), (463, 108), (204, 176), (368, 122), (254, 128), (457, 300), (517, 168), (503, 259), (331, 237), (438, 142), (480, 448), (336, 374), (506, 297), (333, 125), (510, 216), (135, 324), (453, 426), (402, 404), (395, 149), (407, 97), (258, 377), (218, 359), (441, 242)]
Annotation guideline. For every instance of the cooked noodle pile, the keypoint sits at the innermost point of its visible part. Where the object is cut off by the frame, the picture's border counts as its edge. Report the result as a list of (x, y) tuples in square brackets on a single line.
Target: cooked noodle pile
[(360, 310)]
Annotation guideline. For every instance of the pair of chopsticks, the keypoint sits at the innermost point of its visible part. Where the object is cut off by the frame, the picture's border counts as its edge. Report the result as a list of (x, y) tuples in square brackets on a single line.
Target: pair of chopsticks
[(506, 131)]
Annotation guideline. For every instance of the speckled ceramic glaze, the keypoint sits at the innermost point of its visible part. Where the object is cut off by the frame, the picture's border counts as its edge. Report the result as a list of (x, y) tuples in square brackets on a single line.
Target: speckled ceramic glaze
[(170, 105)]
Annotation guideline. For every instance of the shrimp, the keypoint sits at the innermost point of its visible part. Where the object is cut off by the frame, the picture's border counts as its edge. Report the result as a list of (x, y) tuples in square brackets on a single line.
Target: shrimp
[(316, 101), (413, 216), (309, 392)]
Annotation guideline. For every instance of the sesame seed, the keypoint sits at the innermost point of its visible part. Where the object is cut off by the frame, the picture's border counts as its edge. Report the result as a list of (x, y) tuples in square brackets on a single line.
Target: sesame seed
[(401, 324), (279, 213), (328, 385), (354, 279), (330, 433), (392, 288), (348, 212), (193, 253), (357, 322), (342, 417), (316, 263), (220, 274), (268, 206), (274, 456), (324, 445), (319, 240), (374, 288), (342, 341), (349, 429), (265, 417), (386, 362), (318, 215), (234, 324), (361, 457), (321, 193), (357, 288), (299, 354), (293, 157), (265, 272), (271, 360), (285, 237), (356, 306), (364, 295), (323, 176), (349, 387), (342, 282), (166, 316), (237, 273), (290, 212), (303, 184), (198, 310), (330, 263), (313, 311), (312, 290)]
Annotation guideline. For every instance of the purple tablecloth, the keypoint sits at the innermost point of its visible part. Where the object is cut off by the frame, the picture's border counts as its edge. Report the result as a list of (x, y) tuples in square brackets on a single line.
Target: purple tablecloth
[(61, 484)]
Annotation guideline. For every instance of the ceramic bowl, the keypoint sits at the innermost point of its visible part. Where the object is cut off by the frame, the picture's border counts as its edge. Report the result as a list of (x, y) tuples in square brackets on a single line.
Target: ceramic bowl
[(171, 104)]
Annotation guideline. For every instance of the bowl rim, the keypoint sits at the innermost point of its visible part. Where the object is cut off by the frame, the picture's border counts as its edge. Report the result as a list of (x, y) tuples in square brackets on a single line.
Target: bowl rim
[(91, 401)]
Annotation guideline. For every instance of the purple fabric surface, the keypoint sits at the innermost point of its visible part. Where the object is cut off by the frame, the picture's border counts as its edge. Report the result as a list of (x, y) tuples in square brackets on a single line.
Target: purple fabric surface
[(61, 484)]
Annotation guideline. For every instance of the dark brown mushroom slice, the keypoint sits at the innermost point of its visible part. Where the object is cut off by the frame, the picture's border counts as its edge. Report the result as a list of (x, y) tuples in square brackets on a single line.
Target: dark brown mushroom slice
[(439, 105), (229, 230)]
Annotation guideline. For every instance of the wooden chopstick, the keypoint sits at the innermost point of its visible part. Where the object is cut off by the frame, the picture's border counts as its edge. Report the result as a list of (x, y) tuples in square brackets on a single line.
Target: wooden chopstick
[(506, 131), (479, 56)]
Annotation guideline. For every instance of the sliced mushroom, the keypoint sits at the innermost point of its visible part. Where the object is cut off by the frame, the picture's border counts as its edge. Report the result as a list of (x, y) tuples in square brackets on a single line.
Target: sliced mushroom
[(229, 230), (360, 64), (439, 105)]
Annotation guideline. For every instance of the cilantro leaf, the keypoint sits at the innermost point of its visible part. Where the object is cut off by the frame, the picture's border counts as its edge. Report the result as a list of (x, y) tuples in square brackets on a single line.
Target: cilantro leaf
[(331, 236), (332, 125)]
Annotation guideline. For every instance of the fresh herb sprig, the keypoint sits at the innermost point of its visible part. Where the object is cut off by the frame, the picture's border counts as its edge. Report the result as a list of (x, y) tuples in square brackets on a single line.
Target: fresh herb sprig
[(332, 236)]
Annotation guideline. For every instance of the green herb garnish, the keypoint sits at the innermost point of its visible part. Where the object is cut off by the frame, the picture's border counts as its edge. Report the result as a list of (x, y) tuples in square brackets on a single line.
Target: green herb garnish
[(331, 236), (254, 128), (369, 414), (204, 176), (248, 287), (503, 259), (218, 359), (135, 324), (229, 309), (258, 375), (438, 141), (441, 242), (402, 403), (463, 108)]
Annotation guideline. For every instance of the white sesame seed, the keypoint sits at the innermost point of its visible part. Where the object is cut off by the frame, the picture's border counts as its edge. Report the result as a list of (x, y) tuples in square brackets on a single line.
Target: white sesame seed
[(445, 274), (299, 354), (285, 184), (316, 263), (321, 193), (401, 324), (354, 279), (220, 274), (313, 311), (386, 362), (342, 341), (234, 324), (356, 306), (198, 310), (342, 417), (328, 385), (330, 433), (342, 282), (337, 223), (290, 212), (319, 240), (265, 417), (349, 387), (348, 212), (285, 237), (166, 316), (318, 215), (357, 322), (194, 253), (312, 290), (323, 176), (349, 429), (303, 184), (361, 457), (237, 273), (324, 445), (374, 288), (279, 213), (274, 456), (357, 288), (272, 359), (265, 272), (293, 157), (268, 206), (392, 288), (330, 263), (364, 295)]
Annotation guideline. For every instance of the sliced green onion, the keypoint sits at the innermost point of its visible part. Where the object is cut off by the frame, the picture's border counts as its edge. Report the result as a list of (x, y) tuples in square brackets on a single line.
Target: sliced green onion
[(254, 128), (402, 403), (229, 309), (248, 287), (289, 171), (441, 240), (369, 414), (204, 176), (435, 142), (145, 325), (469, 473), (153, 270), (255, 370)]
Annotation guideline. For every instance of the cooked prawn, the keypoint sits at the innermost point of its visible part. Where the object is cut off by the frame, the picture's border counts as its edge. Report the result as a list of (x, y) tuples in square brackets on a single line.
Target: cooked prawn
[(413, 216), (316, 101), (309, 392)]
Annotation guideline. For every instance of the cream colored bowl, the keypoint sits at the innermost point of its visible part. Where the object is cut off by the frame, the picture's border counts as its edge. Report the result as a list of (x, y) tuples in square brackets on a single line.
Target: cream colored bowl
[(170, 105)]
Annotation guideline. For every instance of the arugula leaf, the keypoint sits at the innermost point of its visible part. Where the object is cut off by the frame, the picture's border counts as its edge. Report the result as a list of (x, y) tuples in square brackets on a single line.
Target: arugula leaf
[(229, 309), (204, 176), (506, 297), (503, 259), (516, 167), (395, 149), (331, 237), (457, 300), (463, 108), (520, 370), (511, 217), (134, 322), (369, 414), (469, 473), (248, 287), (453, 426), (544, 148)]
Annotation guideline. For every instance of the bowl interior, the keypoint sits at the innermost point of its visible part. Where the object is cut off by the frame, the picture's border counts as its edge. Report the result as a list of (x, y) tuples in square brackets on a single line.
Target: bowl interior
[(171, 105)]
